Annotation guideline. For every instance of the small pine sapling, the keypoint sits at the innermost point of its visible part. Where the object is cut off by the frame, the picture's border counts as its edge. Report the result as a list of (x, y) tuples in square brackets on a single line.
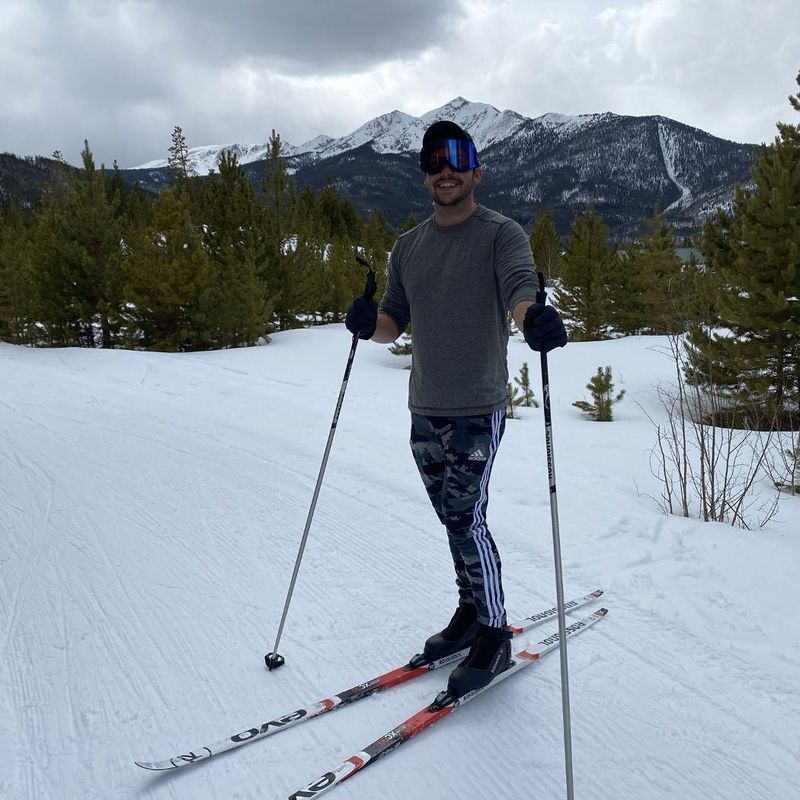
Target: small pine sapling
[(403, 345), (524, 382), (513, 399), (601, 386)]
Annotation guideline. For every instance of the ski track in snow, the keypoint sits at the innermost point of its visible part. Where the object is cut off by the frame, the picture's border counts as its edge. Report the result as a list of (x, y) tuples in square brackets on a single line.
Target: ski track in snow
[(151, 510)]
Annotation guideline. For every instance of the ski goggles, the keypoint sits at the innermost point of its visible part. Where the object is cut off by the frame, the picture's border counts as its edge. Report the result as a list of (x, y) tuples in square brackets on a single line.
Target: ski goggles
[(460, 154)]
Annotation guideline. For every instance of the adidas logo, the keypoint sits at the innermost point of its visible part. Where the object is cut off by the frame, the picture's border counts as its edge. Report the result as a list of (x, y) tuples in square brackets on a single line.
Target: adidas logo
[(478, 456)]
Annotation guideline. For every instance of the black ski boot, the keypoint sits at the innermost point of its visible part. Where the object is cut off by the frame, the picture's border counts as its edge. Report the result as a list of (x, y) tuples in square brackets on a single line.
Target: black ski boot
[(459, 633), (489, 655)]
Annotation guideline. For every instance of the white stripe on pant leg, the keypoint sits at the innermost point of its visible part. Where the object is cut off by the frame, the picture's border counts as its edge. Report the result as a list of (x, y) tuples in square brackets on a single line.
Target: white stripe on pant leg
[(478, 531)]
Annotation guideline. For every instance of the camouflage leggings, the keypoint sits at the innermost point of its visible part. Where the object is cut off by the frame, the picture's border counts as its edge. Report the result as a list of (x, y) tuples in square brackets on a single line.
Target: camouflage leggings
[(454, 456)]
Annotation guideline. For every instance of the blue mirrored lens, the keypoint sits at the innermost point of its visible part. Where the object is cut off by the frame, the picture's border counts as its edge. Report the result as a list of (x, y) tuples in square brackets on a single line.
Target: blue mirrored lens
[(459, 154)]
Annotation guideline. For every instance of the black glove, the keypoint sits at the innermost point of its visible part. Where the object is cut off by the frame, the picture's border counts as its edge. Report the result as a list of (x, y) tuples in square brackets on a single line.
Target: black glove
[(543, 328), (362, 317)]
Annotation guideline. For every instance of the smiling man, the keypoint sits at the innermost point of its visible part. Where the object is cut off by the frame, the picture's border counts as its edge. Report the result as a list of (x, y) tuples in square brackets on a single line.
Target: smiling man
[(455, 278)]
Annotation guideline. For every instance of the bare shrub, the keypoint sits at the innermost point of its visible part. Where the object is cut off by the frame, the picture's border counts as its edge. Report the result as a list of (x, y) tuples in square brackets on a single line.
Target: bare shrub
[(708, 459)]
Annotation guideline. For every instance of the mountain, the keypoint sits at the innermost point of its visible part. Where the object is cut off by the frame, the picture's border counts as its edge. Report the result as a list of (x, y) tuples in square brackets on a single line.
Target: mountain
[(22, 180), (622, 165), (395, 132)]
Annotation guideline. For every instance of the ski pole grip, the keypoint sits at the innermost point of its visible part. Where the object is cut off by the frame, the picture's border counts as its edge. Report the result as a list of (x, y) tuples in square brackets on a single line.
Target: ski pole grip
[(372, 281), (541, 295)]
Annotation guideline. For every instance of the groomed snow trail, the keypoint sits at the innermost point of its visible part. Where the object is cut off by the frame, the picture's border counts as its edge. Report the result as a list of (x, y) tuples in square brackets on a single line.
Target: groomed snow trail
[(150, 511)]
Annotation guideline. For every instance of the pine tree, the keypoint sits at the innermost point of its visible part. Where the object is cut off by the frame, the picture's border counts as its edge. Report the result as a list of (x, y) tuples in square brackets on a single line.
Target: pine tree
[(377, 240), (344, 278), (235, 241), (77, 252), (410, 223), (168, 280), (178, 162), (524, 382), (17, 291), (586, 271), (280, 275), (545, 245), (755, 250), (647, 294), (512, 400), (404, 346), (601, 387)]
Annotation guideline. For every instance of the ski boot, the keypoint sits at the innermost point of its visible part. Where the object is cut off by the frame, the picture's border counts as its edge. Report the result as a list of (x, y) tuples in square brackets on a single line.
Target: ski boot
[(459, 634)]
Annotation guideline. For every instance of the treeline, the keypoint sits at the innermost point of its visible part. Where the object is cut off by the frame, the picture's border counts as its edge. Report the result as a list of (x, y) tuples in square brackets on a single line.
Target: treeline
[(211, 263), (208, 263)]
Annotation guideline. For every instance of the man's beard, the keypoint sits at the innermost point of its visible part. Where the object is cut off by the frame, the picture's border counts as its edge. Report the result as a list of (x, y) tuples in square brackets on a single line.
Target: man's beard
[(452, 198)]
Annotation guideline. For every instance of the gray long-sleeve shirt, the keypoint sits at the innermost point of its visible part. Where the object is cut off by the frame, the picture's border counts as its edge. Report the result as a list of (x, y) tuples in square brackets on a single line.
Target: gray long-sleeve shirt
[(456, 285)]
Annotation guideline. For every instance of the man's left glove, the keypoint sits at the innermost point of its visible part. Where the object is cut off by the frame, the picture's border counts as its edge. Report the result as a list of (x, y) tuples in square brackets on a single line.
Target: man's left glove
[(362, 317), (543, 328)]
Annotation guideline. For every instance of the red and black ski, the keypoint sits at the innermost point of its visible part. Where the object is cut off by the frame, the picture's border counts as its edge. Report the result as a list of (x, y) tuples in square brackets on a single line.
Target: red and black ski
[(389, 679)]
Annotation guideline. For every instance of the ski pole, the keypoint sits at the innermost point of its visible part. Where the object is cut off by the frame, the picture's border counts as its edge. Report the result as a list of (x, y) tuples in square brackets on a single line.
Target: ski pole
[(562, 620), (274, 660)]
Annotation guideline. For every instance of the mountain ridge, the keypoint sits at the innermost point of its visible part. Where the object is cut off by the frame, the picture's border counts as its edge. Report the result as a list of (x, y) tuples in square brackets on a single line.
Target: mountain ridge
[(392, 132), (624, 166)]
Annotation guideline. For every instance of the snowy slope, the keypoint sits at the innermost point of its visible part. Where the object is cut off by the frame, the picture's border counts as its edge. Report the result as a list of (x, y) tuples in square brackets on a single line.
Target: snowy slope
[(150, 510)]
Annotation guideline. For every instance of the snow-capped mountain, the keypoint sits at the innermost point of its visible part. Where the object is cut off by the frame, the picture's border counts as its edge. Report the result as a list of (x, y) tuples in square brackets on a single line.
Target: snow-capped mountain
[(395, 132), (624, 166)]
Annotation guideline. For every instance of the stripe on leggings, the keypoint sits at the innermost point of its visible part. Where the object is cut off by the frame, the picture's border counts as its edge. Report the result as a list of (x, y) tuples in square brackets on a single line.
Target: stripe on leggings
[(479, 532)]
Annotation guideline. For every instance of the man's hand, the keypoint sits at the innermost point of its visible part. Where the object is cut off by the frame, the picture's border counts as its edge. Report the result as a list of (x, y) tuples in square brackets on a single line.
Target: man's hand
[(543, 328), (362, 317)]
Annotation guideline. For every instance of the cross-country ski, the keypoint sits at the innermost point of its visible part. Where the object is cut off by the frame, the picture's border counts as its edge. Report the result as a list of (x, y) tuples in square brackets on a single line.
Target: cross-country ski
[(394, 677), (436, 711)]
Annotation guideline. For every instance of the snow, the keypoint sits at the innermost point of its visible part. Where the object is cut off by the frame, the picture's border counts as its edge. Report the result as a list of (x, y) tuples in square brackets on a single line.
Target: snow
[(669, 150), (394, 132), (151, 506), (566, 124)]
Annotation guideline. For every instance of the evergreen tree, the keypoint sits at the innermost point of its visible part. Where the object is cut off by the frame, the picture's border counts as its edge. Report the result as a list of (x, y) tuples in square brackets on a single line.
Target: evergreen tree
[(334, 223), (524, 383), (168, 280), (586, 270), (755, 251), (410, 223), (404, 345), (377, 241), (77, 256), (280, 275), (513, 400), (344, 278), (647, 294), (545, 245), (178, 160), (17, 291), (601, 387), (235, 241)]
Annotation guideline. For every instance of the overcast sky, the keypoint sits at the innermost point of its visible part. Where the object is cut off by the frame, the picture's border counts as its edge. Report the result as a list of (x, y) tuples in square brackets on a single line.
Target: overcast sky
[(123, 73)]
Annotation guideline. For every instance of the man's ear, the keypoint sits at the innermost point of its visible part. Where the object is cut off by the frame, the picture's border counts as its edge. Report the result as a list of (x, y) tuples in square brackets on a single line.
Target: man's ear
[(477, 174)]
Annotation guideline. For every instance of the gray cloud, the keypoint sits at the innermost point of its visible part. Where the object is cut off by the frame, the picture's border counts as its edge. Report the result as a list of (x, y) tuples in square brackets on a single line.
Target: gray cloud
[(311, 36), (122, 73)]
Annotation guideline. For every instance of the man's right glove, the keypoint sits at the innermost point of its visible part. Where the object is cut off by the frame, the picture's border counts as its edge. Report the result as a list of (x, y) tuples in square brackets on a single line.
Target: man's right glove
[(543, 328), (362, 317)]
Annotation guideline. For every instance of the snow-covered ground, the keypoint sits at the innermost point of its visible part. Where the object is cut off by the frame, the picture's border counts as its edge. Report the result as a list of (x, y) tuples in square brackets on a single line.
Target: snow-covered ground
[(151, 507)]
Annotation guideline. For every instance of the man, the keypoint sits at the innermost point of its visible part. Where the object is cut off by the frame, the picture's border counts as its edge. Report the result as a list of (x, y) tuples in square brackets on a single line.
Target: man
[(455, 277)]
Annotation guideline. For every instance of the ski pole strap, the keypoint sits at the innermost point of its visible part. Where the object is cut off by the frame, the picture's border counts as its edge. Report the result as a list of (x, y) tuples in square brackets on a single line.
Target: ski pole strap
[(372, 280), (541, 295)]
